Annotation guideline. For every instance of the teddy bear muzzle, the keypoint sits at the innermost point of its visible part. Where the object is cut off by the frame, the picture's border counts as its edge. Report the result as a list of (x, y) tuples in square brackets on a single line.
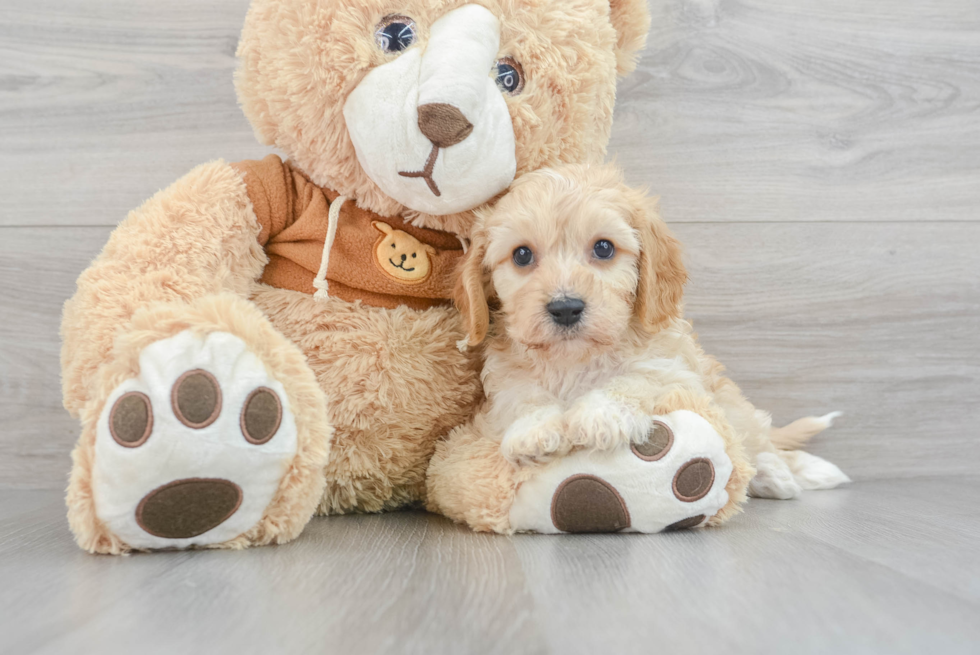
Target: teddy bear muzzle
[(430, 127)]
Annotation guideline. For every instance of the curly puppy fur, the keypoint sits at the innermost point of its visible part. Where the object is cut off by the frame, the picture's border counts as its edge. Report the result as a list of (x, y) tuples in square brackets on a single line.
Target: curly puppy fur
[(551, 389)]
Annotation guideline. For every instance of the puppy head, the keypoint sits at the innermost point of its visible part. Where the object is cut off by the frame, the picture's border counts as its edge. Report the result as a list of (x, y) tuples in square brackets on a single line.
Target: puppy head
[(576, 260)]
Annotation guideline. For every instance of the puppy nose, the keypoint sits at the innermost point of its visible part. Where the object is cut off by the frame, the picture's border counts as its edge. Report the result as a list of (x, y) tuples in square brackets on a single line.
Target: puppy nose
[(442, 124), (566, 311), (404, 257)]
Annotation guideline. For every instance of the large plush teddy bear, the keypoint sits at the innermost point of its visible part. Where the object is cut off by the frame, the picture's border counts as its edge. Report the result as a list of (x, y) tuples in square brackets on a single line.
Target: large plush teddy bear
[(269, 339)]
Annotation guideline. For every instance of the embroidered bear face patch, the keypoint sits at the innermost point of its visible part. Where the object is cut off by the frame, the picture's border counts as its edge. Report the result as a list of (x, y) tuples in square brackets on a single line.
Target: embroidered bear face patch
[(401, 256)]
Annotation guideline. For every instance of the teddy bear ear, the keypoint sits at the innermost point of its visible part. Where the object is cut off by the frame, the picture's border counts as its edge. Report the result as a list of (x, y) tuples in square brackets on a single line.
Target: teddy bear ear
[(631, 20), (381, 226)]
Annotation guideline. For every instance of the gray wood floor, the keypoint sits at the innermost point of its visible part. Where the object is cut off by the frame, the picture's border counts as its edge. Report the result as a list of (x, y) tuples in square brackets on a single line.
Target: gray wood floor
[(879, 567), (819, 158), (821, 161)]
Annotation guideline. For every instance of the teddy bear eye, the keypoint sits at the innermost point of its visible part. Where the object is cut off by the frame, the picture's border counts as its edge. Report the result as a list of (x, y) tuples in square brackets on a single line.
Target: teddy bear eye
[(509, 75), (603, 249), (523, 256), (395, 33)]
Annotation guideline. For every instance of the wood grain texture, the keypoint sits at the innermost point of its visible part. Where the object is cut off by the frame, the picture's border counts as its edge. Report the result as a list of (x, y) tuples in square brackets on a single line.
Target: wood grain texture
[(835, 572), (748, 110), (820, 159), (881, 324), (807, 110), (103, 102)]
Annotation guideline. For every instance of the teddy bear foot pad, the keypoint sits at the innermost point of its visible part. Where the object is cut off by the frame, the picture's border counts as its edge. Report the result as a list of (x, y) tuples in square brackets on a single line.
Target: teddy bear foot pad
[(674, 481), (192, 450)]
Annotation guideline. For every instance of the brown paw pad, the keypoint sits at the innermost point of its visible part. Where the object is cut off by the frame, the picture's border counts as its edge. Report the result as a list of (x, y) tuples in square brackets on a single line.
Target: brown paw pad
[(131, 419), (657, 445), (684, 524), (694, 479), (187, 508), (261, 416), (585, 503), (196, 399)]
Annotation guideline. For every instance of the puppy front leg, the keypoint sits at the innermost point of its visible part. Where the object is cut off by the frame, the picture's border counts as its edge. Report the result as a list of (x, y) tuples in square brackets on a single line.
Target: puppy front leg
[(604, 418), (535, 437), (531, 424)]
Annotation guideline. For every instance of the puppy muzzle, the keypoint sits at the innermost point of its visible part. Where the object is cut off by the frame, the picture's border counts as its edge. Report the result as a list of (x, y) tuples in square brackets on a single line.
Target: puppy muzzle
[(566, 311)]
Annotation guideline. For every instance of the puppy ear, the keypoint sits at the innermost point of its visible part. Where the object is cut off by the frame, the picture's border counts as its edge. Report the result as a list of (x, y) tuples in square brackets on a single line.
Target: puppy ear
[(662, 273), (382, 227), (470, 294), (631, 20)]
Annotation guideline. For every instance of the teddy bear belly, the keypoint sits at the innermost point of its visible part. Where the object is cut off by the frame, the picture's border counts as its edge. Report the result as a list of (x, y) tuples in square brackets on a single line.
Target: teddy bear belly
[(395, 383)]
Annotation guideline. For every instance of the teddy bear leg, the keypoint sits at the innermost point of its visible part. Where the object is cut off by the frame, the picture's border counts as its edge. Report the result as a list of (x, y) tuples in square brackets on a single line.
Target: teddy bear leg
[(205, 428), (470, 482), (692, 472)]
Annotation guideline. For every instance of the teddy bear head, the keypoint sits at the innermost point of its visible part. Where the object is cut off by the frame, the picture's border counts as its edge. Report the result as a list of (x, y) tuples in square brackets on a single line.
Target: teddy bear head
[(430, 108)]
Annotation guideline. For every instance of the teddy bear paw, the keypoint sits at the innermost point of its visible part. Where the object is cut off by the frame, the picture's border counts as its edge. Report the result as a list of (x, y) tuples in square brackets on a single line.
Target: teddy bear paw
[(191, 451), (675, 479)]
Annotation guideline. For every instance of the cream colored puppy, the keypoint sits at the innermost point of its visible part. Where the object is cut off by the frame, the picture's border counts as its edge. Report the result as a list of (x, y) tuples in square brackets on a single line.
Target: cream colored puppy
[(589, 338)]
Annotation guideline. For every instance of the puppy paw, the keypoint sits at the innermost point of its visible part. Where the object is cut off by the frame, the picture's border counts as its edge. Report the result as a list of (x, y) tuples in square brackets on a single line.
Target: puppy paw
[(812, 472), (773, 479), (598, 422), (536, 437), (191, 451)]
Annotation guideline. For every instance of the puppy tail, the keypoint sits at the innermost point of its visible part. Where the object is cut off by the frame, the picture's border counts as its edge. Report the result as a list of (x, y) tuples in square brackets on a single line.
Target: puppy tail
[(797, 433)]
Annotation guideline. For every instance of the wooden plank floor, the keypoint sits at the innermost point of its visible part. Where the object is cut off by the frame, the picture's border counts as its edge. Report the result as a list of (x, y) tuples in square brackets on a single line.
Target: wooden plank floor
[(820, 159), (879, 567)]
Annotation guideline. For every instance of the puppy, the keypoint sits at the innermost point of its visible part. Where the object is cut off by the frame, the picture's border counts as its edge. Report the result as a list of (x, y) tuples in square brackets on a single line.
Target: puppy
[(589, 342)]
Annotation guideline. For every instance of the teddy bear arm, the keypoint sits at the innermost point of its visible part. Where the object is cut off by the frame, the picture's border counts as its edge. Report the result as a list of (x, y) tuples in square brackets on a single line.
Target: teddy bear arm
[(196, 238)]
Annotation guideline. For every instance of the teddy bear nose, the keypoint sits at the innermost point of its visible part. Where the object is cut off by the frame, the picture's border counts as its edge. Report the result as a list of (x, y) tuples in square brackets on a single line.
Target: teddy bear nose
[(443, 124), (566, 311), (404, 257)]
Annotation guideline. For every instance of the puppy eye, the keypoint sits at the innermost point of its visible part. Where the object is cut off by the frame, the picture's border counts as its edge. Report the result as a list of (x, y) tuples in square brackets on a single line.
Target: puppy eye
[(603, 249), (523, 256), (509, 75), (395, 33)]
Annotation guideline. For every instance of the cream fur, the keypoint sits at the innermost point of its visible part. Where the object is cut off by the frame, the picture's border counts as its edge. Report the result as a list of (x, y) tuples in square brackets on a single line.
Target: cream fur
[(390, 381), (550, 389)]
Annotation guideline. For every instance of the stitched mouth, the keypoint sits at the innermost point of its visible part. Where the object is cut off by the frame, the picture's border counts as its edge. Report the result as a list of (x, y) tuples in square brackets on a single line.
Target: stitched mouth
[(399, 265), (426, 173)]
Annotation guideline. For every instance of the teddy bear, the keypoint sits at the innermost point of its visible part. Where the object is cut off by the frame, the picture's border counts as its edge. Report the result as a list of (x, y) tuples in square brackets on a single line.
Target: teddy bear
[(263, 341)]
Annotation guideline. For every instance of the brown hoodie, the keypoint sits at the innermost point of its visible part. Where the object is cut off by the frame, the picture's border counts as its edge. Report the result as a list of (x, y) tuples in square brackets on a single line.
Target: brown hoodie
[(383, 262)]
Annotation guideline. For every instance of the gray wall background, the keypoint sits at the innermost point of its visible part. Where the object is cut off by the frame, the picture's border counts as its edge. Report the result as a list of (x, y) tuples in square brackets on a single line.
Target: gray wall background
[(819, 158)]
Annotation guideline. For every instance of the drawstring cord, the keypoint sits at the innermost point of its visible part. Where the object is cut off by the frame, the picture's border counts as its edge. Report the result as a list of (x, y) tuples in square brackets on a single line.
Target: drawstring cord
[(333, 217)]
